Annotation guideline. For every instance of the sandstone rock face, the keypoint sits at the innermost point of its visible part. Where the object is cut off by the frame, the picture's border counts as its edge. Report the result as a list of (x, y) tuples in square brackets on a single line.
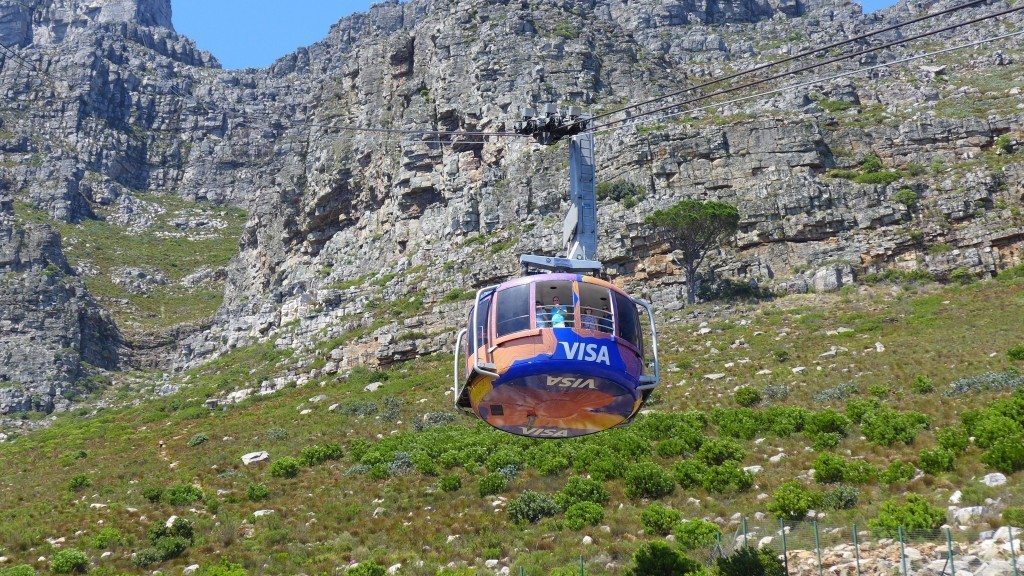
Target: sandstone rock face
[(342, 221), (51, 330)]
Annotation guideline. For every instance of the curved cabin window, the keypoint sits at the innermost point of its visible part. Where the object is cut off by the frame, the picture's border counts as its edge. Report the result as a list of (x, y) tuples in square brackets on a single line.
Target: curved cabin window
[(555, 305), (627, 321), (481, 320), (595, 308), (513, 311)]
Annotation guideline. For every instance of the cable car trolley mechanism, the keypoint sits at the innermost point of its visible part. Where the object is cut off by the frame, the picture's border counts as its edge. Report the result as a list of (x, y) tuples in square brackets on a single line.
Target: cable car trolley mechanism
[(558, 352)]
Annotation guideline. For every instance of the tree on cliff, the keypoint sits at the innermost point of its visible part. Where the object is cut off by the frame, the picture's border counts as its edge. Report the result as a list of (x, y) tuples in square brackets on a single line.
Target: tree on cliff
[(694, 228)]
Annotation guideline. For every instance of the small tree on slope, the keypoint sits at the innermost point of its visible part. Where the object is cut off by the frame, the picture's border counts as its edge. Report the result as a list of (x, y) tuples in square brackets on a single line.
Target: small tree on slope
[(694, 228)]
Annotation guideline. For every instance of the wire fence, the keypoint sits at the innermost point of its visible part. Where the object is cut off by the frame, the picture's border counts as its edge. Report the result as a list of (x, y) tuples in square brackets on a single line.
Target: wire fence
[(810, 549)]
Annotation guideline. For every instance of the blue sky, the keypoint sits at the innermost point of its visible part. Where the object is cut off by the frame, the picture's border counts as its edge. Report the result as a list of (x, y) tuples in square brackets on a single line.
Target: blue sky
[(244, 33)]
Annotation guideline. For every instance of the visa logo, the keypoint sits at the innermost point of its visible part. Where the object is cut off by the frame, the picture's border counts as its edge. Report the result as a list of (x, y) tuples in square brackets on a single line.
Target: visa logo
[(545, 432), (586, 352), (569, 382)]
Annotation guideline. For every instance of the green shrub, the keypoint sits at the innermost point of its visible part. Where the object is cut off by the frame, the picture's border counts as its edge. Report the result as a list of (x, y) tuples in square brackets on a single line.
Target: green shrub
[(840, 498), (823, 441), (658, 558), (961, 275), (320, 453), (1006, 455), (826, 421), (170, 547), (19, 570), (367, 569), (905, 196), (182, 494), (784, 420), (225, 568), (696, 534), (719, 451), (872, 163), (197, 440), (286, 467), (728, 477), (829, 468), (747, 396), (897, 472), (579, 489), (583, 514), (256, 492), (913, 514), (781, 355), (152, 493), (885, 426), (748, 561), (531, 506), (648, 480), (994, 427), (884, 177), (69, 561), (147, 557), (620, 191), (742, 423), (658, 519), (857, 408), (923, 385), (689, 473), (78, 482), (935, 461), (107, 538), (450, 483), (493, 483), (954, 439), (792, 501), (1013, 517), (1016, 353), (671, 448)]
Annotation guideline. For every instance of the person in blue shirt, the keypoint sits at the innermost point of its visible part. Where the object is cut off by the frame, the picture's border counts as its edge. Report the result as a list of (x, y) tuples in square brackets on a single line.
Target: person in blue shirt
[(557, 314)]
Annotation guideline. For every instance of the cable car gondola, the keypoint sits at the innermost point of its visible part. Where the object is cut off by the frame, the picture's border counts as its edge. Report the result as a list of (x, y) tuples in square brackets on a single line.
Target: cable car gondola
[(558, 352)]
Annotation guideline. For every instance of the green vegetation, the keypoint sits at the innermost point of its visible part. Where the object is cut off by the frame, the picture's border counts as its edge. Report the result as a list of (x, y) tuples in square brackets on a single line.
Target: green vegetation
[(871, 171), (628, 193), (69, 561), (106, 246), (410, 455), (695, 227)]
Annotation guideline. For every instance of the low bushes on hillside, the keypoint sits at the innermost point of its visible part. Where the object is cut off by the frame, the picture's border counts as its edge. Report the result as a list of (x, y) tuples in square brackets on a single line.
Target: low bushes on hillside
[(658, 558), (69, 561), (792, 501), (648, 480), (912, 514), (531, 506), (658, 519)]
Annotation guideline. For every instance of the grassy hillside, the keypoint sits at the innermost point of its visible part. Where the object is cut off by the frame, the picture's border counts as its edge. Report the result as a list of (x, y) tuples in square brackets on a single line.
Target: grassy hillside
[(870, 377), (176, 238)]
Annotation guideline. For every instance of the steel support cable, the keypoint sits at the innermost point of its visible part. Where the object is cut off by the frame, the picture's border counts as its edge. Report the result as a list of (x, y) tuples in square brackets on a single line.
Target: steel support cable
[(780, 76), (795, 57), (824, 79)]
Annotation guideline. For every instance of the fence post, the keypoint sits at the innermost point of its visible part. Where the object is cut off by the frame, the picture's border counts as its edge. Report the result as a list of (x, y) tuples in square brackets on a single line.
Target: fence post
[(522, 571), (1013, 553), (745, 542), (583, 571), (785, 546), (952, 556), (903, 552), (817, 547), (856, 548)]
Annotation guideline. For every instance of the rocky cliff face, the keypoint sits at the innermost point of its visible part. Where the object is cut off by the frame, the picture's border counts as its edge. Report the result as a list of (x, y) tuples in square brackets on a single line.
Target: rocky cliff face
[(362, 234), (52, 334)]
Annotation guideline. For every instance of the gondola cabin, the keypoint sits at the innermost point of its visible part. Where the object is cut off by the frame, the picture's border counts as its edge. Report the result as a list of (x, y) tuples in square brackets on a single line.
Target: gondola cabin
[(556, 356)]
